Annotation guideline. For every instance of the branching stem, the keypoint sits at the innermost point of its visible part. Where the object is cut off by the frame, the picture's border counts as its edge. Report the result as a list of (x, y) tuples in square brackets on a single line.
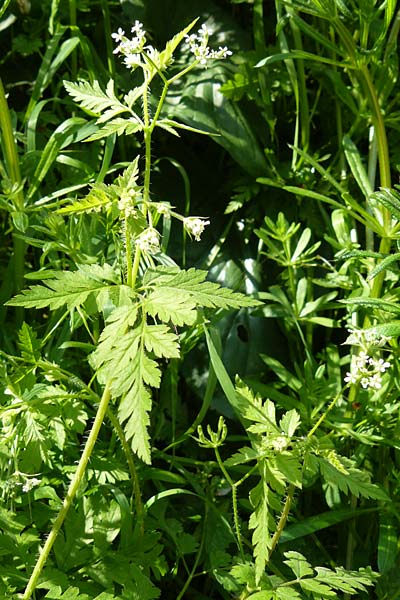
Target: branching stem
[(72, 490)]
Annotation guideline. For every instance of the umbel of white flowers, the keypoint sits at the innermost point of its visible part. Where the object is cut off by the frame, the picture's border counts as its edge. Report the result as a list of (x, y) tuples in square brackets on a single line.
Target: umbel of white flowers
[(131, 49), (366, 369)]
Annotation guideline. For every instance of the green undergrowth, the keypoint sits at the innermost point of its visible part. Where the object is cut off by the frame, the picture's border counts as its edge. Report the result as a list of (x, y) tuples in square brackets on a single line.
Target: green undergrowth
[(199, 292)]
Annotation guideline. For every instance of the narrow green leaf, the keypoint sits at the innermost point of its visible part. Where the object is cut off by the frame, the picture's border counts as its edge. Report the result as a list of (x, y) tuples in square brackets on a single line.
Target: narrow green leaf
[(357, 168), (321, 521), (384, 265), (64, 134), (300, 54), (375, 303), (387, 544), (391, 329), (390, 199), (220, 371)]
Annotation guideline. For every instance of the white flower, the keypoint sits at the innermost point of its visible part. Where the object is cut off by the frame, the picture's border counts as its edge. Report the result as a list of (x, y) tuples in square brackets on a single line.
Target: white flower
[(198, 45), (375, 381), (350, 377), (130, 48), (380, 365), (119, 36), (367, 370), (148, 240), (30, 484), (126, 202), (195, 226), (280, 443), (132, 60), (221, 53), (163, 208)]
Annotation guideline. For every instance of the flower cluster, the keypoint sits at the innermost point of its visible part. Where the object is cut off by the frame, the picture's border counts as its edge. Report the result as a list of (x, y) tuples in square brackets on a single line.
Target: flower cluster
[(366, 338), (30, 484), (148, 240), (132, 48), (126, 202), (195, 226), (367, 371), (198, 44)]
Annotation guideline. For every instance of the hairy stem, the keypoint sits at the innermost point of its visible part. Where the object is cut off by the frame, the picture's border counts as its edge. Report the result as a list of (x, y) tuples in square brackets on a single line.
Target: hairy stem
[(234, 501), (73, 488), (282, 521), (325, 414), (132, 469)]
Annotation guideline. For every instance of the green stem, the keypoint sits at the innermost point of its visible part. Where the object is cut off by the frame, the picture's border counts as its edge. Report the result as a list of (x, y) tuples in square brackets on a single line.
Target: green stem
[(303, 108), (107, 33), (14, 174), (282, 521), (73, 488), (196, 562), (132, 468), (128, 250), (378, 123), (74, 56), (234, 501), (324, 415)]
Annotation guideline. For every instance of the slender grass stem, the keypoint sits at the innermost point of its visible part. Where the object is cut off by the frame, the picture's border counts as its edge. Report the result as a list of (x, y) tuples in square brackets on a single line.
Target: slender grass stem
[(14, 174), (107, 34), (72, 490), (72, 20), (196, 561)]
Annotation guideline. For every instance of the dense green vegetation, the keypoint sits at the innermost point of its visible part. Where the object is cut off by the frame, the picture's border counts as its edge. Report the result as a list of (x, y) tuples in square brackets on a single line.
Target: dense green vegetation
[(199, 309)]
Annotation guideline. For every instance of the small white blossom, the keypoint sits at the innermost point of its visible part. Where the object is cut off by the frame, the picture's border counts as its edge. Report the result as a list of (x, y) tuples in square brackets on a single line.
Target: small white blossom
[(119, 36), (367, 338), (350, 378), (375, 381), (163, 208), (148, 240), (380, 365), (280, 443), (30, 484), (126, 202), (195, 226)]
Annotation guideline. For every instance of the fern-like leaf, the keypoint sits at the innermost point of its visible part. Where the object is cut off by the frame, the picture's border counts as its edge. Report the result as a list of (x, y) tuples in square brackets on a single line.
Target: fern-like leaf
[(261, 520), (96, 200), (28, 344), (347, 478), (91, 97), (203, 293), (119, 126), (167, 305), (166, 55), (67, 288), (126, 359)]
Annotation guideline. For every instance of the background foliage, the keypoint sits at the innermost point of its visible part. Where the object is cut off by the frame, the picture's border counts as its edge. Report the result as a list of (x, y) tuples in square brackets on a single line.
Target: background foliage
[(290, 487)]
